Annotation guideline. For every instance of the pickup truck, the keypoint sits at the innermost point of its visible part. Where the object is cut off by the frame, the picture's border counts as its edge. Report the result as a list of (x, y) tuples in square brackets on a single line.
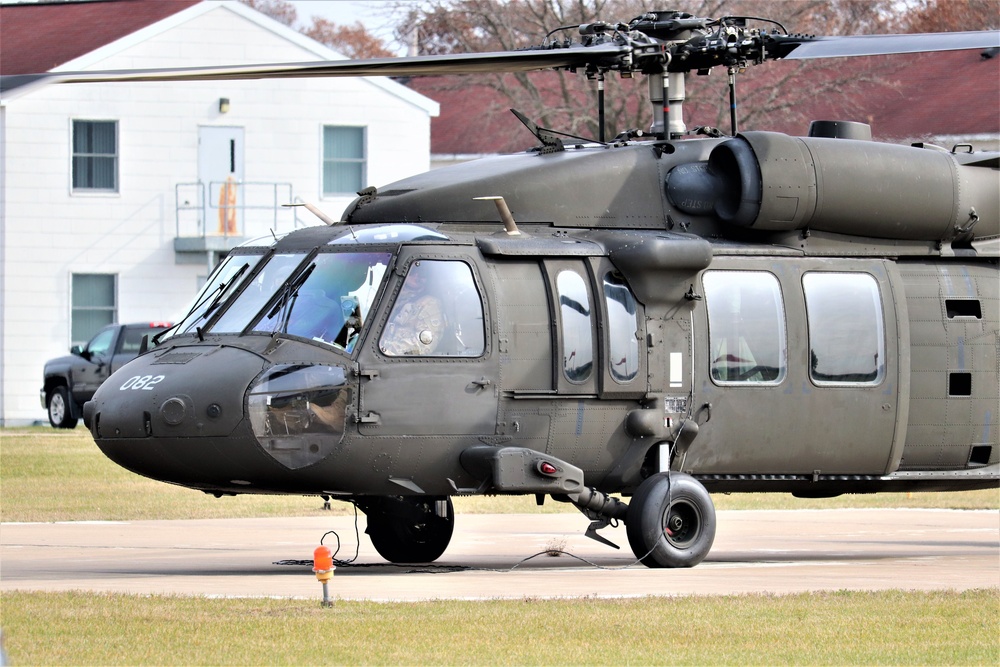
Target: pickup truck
[(71, 381)]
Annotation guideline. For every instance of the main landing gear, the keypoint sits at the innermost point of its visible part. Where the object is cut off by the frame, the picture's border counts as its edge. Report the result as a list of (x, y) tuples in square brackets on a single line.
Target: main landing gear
[(670, 521)]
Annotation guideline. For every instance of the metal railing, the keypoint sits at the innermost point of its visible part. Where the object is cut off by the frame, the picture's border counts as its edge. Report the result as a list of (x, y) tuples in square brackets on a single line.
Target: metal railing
[(239, 209)]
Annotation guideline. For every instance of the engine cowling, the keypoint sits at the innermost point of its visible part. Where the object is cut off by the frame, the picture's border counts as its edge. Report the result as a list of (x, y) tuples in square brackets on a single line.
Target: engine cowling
[(772, 181)]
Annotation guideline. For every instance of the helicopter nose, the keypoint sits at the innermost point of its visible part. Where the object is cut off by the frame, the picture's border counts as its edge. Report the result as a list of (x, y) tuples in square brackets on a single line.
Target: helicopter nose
[(218, 418), (186, 392)]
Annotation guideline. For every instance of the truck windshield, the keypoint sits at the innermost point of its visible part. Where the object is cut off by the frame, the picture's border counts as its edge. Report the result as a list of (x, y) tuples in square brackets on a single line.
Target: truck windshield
[(326, 299)]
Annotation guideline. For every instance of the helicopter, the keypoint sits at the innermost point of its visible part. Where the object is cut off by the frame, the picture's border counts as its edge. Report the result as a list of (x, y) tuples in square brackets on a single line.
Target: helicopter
[(624, 325)]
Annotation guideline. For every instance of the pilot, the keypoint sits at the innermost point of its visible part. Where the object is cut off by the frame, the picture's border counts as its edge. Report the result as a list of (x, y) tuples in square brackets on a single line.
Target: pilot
[(323, 309), (313, 315), (417, 321)]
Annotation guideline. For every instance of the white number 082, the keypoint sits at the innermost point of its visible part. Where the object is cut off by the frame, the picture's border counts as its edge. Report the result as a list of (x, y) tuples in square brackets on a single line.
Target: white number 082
[(141, 382)]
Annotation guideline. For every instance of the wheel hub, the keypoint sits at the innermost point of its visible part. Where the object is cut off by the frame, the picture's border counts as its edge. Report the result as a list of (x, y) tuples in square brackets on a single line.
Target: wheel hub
[(681, 525)]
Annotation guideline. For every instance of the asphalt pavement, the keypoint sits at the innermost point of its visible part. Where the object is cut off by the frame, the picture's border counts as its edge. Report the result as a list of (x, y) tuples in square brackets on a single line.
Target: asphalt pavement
[(496, 556)]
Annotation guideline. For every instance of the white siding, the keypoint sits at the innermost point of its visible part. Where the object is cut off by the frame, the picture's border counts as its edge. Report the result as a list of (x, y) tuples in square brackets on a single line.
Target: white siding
[(49, 233)]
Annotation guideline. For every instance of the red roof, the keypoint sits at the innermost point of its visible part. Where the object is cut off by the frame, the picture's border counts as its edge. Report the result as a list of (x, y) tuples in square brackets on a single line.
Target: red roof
[(950, 93), (474, 118), (37, 37)]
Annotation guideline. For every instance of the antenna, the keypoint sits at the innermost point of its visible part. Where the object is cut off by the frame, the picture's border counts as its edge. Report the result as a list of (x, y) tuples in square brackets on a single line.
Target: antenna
[(505, 214), (315, 211)]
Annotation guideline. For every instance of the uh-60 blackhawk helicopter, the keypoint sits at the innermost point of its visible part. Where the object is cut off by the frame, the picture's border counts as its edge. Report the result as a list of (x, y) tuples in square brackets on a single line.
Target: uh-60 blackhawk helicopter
[(656, 317)]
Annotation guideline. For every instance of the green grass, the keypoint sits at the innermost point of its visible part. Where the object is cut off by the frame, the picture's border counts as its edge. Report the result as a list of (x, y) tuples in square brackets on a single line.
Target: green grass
[(52, 475), (893, 628)]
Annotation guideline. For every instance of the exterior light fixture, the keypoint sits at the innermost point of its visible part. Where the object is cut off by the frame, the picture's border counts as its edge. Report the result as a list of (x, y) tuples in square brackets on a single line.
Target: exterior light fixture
[(223, 105)]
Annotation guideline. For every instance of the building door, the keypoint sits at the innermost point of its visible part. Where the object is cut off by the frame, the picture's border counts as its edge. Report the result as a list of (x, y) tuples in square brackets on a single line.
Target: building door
[(220, 172)]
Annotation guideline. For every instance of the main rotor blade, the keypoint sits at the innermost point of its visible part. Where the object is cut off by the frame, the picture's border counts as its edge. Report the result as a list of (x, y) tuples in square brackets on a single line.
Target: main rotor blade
[(800, 48), (514, 61)]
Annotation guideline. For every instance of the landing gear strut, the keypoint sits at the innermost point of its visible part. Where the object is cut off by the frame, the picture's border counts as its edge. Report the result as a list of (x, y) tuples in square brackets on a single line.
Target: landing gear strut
[(409, 529), (670, 521)]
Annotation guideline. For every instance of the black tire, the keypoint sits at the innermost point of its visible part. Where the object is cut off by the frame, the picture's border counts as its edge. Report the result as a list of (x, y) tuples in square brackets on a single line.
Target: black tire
[(60, 409), (670, 521), (407, 530)]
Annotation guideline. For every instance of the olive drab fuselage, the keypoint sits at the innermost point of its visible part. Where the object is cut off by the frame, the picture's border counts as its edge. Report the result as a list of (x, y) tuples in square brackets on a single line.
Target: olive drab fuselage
[(816, 363), (650, 319)]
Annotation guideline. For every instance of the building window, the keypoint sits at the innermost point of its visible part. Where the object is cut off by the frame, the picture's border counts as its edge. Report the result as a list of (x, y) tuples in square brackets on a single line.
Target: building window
[(746, 327), (846, 332), (623, 343), (344, 160), (95, 304), (95, 155)]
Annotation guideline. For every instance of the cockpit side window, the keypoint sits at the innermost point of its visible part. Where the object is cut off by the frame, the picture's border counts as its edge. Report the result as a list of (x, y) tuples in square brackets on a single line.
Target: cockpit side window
[(746, 325), (438, 312)]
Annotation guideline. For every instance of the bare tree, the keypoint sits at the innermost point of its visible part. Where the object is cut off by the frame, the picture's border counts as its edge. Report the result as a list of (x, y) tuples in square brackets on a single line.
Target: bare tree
[(949, 15), (279, 10), (354, 41), (779, 95), (774, 96)]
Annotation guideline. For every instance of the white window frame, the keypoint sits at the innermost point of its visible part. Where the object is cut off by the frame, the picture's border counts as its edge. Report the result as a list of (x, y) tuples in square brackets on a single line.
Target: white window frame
[(116, 156), (74, 309), (333, 161)]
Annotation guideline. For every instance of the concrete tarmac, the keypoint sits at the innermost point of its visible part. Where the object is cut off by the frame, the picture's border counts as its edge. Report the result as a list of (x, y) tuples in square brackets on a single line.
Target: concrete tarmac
[(767, 551)]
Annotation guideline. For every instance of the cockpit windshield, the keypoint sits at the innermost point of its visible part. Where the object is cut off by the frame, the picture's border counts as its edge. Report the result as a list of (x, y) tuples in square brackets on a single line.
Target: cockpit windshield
[(326, 298), (214, 293), (217, 290)]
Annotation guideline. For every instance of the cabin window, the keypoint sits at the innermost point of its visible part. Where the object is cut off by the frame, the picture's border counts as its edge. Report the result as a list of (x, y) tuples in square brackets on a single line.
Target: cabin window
[(576, 326), (623, 343), (846, 331), (746, 325), (438, 313), (94, 304), (345, 160), (95, 155)]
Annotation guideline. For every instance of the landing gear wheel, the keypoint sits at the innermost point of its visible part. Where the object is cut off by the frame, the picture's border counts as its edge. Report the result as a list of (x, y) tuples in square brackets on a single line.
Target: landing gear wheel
[(409, 530), (670, 521), (60, 411)]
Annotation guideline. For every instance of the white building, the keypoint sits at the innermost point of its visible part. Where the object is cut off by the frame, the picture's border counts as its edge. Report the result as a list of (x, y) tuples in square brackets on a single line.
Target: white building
[(110, 193)]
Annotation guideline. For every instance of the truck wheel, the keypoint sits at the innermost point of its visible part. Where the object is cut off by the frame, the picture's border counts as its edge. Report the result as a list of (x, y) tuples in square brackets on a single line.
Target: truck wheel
[(60, 411)]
